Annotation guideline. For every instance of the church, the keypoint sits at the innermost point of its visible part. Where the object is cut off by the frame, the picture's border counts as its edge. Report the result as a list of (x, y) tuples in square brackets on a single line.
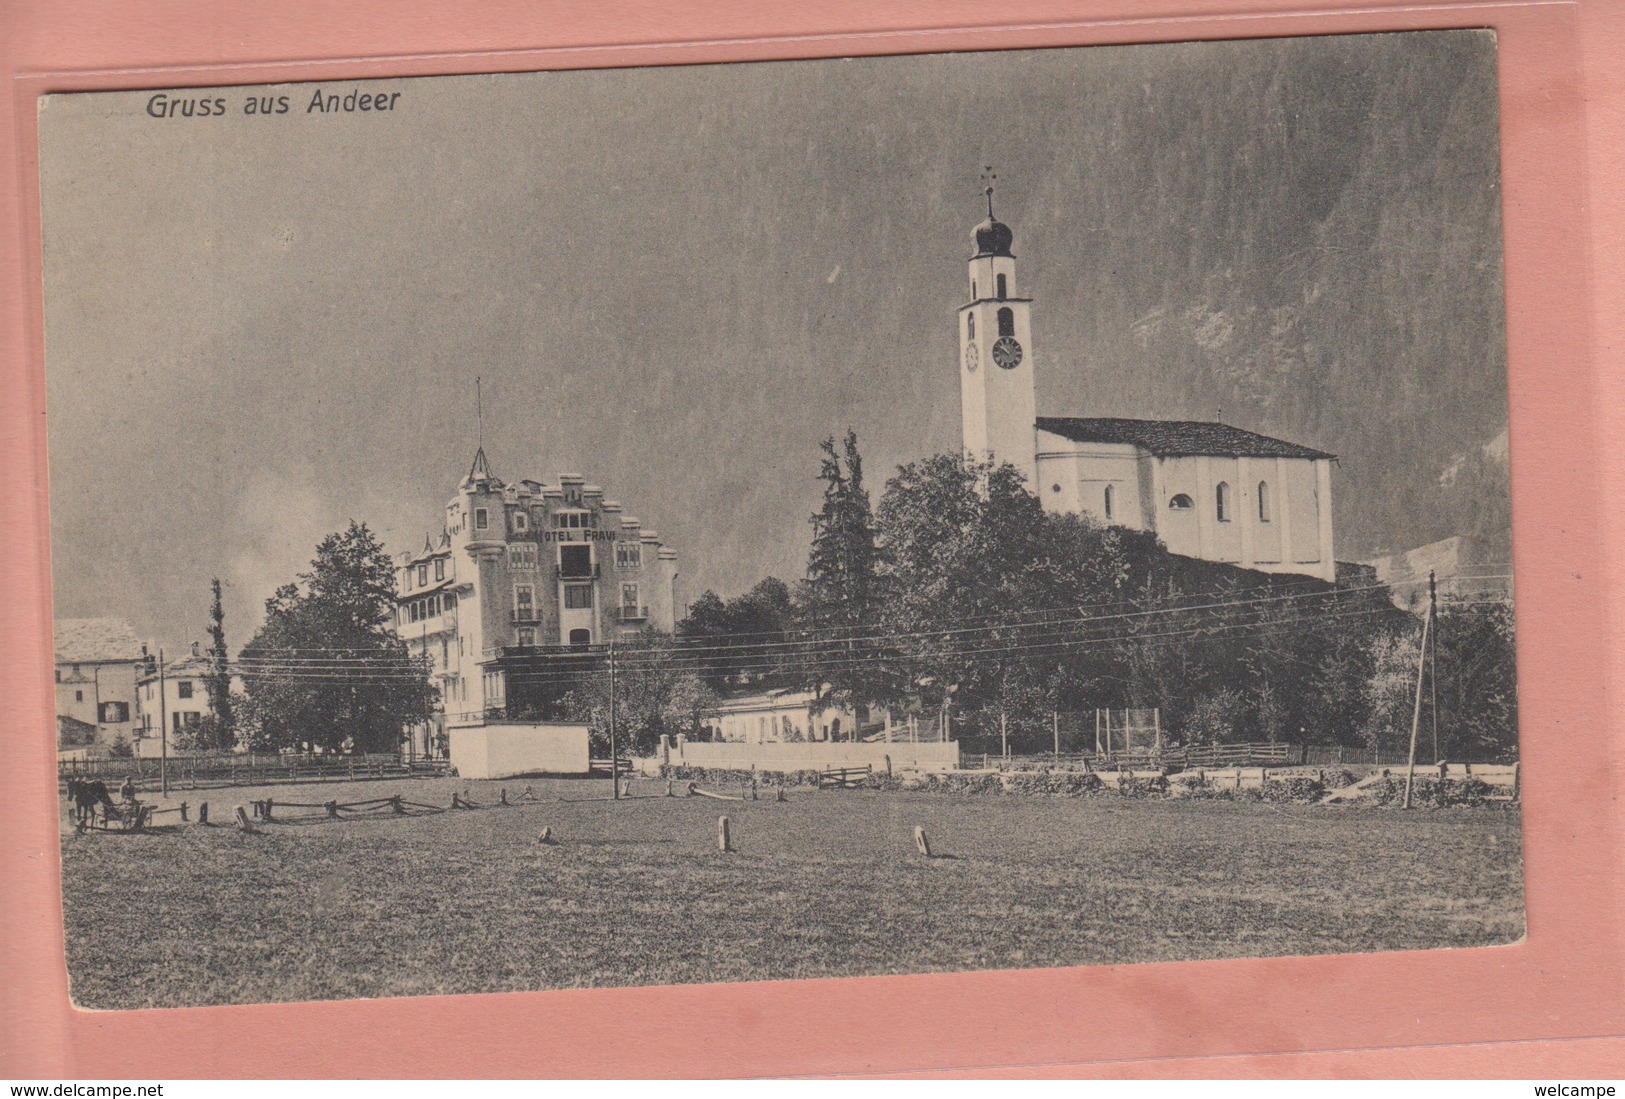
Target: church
[(1207, 490)]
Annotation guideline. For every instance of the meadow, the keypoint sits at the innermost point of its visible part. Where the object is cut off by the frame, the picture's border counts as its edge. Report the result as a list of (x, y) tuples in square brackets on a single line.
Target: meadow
[(824, 884)]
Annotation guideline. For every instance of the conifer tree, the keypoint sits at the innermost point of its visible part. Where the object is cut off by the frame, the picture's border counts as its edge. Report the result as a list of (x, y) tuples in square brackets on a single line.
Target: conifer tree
[(222, 731), (841, 596)]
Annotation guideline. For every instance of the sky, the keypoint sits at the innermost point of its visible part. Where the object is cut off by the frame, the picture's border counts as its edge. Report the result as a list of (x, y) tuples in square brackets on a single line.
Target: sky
[(677, 281)]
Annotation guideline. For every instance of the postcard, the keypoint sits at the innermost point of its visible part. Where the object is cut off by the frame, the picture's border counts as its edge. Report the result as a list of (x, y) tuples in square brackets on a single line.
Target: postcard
[(802, 519)]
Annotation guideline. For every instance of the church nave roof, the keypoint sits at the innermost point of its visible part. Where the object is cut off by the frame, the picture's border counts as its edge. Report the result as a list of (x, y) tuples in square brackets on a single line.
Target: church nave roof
[(1176, 438)]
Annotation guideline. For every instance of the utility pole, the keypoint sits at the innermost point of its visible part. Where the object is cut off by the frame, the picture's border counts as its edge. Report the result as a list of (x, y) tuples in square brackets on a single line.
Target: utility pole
[(1433, 662), (1055, 728), (614, 758), (163, 730), (1416, 712)]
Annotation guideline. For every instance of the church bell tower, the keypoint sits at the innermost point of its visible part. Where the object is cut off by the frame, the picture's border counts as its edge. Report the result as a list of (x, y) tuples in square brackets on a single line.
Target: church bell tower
[(996, 391)]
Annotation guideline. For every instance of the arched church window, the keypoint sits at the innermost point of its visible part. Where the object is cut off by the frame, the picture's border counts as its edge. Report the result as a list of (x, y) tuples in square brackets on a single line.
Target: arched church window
[(1263, 501), (1002, 293), (1109, 501), (972, 289), (1180, 502), (1007, 322), (1221, 501), (970, 326)]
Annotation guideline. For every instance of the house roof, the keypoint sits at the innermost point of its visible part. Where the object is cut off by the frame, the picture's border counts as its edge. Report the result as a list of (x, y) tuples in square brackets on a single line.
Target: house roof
[(1176, 438), (95, 641), (180, 668)]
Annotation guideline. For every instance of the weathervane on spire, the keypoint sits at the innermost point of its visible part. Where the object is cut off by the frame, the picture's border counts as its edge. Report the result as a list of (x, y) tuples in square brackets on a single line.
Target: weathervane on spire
[(479, 414), (988, 179)]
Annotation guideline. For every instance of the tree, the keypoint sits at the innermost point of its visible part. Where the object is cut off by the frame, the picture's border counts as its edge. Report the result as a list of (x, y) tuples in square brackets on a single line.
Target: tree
[(220, 730), (655, 694), (741, 642), (1390, 692), (968, 578), (1477, 688), (326, 670), (840, 599)]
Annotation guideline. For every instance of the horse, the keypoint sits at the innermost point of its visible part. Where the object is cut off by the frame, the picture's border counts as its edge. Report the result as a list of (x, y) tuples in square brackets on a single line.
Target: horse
[(86, 795)]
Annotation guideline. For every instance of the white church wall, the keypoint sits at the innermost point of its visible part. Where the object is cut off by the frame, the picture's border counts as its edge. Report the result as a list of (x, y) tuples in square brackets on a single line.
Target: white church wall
[(1072, 479), (1260, 513), (1302, 500)]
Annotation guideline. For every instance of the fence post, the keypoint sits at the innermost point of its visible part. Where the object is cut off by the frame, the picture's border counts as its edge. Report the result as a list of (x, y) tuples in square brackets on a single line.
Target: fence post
[(395, 804), (203, 812), (332, 808), (183, 812), (921, 843), (724, 839)]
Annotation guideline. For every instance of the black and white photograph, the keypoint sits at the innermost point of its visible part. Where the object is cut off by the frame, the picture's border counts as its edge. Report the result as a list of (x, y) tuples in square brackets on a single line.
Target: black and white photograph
[(779, 521)]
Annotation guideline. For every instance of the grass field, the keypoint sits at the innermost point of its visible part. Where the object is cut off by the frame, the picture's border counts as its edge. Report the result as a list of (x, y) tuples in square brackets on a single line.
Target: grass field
[(826, 884)]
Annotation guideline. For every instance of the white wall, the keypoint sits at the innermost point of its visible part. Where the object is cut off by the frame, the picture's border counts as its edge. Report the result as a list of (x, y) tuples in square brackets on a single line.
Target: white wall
[(816, 756), (1297, 536), (1072, 479), (503, 751)]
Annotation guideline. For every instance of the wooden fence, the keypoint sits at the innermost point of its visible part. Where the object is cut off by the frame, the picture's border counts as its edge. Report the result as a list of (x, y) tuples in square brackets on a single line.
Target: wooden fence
[(249, 769)]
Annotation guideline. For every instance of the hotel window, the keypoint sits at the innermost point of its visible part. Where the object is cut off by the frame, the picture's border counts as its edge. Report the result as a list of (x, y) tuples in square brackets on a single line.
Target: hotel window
[(524, 601), (572, 520), (578, 597), (628, 555), (481, 520), (1109, 503), (1221, 501), (440, 568), (521, 522), (527, 637), (78, 696), (575, 562), (423, 575), (1007, 322), (522, 557), (1263, 501), (183, 689), (629, 599)]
